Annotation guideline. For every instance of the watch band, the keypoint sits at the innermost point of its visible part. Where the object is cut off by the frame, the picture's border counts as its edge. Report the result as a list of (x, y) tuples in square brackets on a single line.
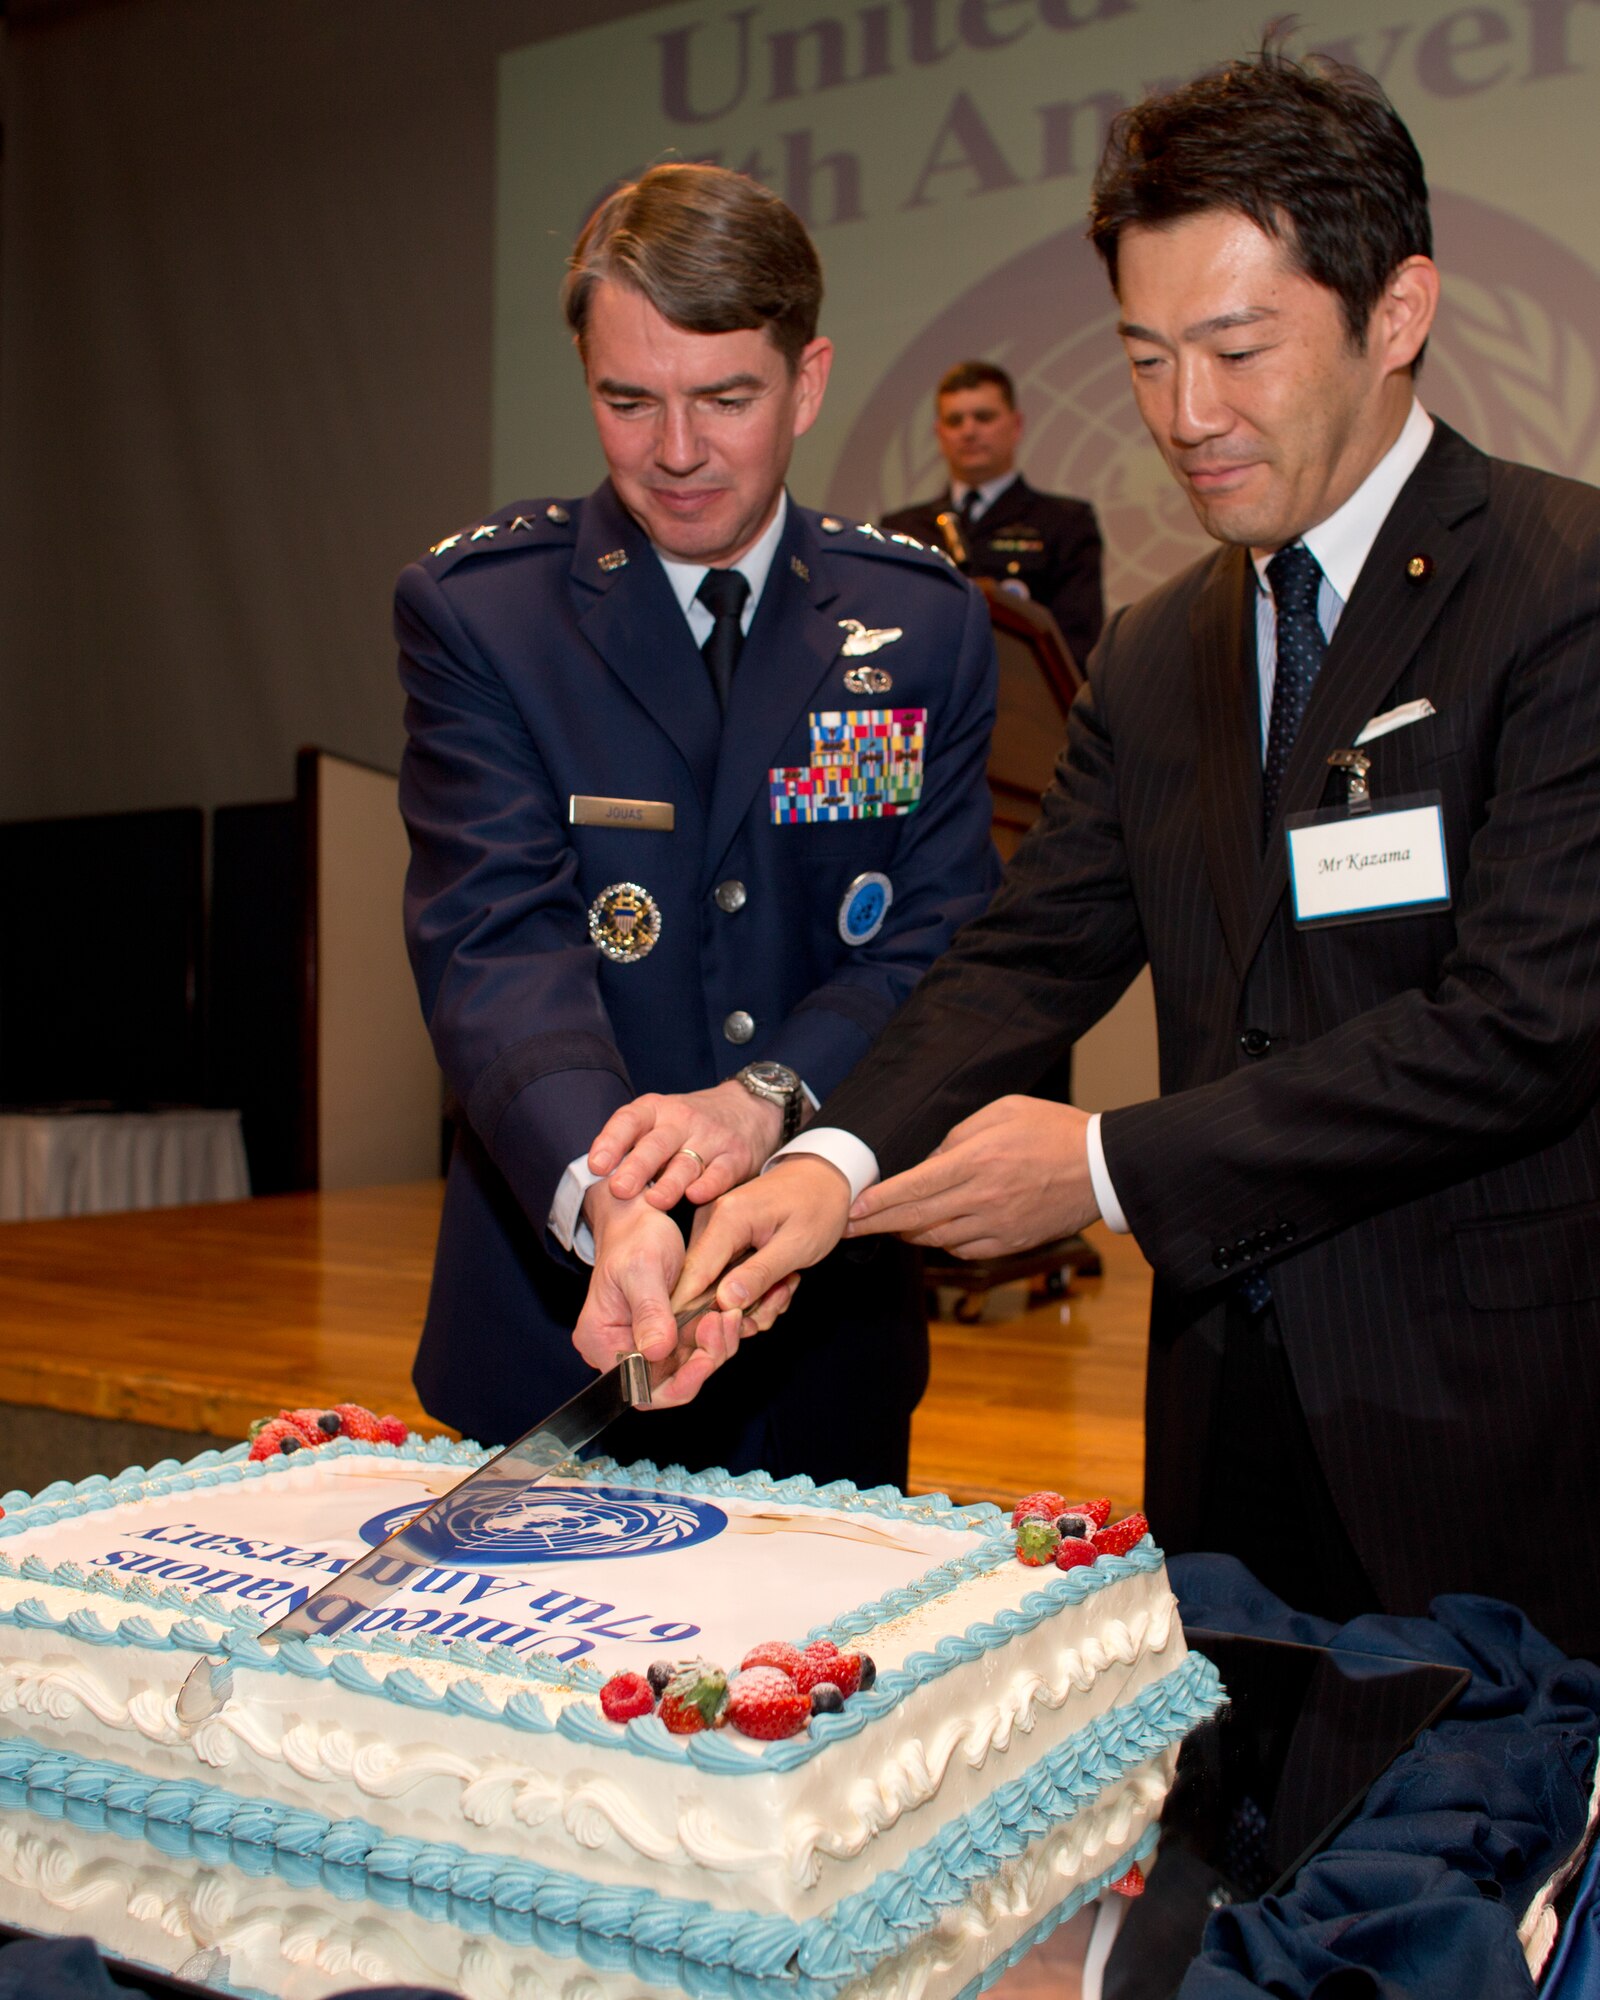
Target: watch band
[(777, 1084)]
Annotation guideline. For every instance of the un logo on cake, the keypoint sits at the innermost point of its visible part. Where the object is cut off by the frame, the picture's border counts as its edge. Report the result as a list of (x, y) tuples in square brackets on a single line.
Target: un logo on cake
[(507, 1523)]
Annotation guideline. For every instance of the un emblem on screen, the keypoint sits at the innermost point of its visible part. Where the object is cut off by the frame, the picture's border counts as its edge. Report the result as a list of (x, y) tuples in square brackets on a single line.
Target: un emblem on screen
[(502, 1523)]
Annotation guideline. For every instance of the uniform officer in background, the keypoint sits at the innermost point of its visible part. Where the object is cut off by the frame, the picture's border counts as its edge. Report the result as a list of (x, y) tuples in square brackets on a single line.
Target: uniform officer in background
[(1040, 544), (695, 790)]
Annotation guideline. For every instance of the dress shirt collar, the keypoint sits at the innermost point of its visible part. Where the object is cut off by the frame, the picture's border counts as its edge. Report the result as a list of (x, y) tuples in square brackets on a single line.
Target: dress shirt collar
[(988, 493), (1342, 543), (753, 566)]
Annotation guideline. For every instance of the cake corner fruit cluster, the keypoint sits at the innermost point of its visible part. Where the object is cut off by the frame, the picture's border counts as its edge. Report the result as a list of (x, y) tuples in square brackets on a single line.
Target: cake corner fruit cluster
[(303, 1430), (775, 1693), (1071, 1533)]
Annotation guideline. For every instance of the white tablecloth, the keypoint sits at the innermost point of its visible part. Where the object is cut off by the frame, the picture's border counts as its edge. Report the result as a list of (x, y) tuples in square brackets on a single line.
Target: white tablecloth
[(87, 1162)]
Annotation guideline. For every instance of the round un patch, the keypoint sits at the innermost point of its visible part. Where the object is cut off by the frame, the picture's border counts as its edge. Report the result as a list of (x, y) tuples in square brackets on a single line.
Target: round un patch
[(864, 906), (494, 1524)]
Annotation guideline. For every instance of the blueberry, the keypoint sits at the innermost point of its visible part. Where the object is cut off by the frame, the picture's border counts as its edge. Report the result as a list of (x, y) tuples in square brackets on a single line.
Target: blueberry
[(287, 1445), (658, 1673), (826, 1699), (869, 1673), (1073, 1527), (331, 1423)]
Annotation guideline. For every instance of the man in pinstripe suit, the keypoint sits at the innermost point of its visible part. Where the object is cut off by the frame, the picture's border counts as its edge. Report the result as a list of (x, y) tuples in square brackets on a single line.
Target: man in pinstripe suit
[(1370, 1188)]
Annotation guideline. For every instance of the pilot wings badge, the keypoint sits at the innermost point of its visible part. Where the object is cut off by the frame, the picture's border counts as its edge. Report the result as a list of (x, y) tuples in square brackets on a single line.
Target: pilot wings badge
[(861, 640)]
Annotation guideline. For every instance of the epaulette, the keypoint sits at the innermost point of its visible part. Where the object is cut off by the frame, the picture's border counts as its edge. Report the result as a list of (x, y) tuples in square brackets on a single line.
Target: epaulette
[(861, 538), (527, 524)]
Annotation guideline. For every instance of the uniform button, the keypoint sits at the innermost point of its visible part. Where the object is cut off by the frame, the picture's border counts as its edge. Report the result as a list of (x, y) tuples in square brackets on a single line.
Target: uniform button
[(730, 895), (1222, 1257), (1255, 1041), (739, 1026)]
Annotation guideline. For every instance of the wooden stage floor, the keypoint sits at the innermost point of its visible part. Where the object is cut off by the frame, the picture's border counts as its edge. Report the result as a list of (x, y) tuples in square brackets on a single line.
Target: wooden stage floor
[(200, 1319)]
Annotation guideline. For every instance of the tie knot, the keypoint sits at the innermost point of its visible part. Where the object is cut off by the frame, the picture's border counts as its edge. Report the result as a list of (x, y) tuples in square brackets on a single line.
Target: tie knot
[(1295, 576), (969, 504), (723, 592)]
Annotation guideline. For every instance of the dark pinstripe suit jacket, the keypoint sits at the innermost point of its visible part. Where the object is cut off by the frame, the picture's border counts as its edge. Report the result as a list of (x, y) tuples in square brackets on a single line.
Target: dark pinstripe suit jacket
[(1415, 1156)]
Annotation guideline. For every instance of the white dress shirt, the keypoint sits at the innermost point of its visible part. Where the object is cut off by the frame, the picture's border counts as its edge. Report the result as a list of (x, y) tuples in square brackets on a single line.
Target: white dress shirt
[(988, 493), (566, 1221), (1341, 545)]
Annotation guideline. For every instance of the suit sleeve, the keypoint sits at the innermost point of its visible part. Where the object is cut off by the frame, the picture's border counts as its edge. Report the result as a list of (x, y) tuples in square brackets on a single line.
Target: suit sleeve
[(1056, 947), (945, 866), (1077, 600), (495, 926), (1494, 1057)]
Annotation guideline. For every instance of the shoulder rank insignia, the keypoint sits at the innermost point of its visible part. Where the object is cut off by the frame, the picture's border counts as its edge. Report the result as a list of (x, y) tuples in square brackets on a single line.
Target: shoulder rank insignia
[(442, 548), (861, 640)]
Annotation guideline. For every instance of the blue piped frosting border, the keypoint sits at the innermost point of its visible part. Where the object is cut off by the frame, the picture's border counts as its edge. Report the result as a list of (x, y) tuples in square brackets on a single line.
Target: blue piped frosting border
[(523, 1710), (832, 1948)]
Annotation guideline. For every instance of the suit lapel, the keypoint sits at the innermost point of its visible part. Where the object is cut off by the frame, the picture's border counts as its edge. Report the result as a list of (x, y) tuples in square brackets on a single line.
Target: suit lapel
[(791, 645), (1222, 637), (1437, 518), (1008, 506), (629, 614)]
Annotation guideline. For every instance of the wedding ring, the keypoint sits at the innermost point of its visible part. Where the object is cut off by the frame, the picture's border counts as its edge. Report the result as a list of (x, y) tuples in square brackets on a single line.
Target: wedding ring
[(693, 1155)]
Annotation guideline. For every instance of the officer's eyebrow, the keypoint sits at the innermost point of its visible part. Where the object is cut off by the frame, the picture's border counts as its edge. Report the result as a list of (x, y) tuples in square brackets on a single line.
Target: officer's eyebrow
[(633, 392), (1202, 328)]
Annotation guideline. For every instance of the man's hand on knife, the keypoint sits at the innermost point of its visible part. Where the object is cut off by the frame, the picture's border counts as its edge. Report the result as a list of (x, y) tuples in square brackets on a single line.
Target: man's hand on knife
[(786, 1219)]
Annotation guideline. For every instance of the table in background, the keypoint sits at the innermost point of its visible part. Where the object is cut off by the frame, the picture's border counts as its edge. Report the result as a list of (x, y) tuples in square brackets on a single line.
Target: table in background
[(55, 1163)]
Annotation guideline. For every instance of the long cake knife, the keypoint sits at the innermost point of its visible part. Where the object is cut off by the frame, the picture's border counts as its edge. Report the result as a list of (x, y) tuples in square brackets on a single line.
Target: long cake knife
[(376, 1576)]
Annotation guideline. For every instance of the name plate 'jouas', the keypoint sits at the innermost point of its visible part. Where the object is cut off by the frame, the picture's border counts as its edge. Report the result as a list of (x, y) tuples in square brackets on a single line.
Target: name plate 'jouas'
[(638, 815)]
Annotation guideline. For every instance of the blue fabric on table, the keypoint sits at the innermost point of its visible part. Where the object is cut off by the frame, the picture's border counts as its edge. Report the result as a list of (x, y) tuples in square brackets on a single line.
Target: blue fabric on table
[(1574, 1969), (1421, 1894)]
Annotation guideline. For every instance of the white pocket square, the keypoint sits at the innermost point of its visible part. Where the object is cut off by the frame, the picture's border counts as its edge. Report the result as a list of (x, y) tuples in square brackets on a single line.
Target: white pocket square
[(1396, 718)]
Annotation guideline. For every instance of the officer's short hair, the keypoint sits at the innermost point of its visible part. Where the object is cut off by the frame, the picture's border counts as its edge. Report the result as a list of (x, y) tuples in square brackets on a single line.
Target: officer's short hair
[(713, 251), (1312, 153), (978, 375)]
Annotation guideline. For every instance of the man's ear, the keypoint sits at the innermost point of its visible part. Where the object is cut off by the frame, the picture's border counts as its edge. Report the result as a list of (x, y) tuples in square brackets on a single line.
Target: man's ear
[(1405, 312), (811, 382)]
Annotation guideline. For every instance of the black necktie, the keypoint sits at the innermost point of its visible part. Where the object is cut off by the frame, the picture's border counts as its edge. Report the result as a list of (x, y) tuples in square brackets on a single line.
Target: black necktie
[(970, 501), (723, 592), (1296, 580)]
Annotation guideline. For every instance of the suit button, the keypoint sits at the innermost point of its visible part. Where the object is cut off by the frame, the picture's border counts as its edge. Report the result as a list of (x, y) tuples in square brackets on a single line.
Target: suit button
[(730, 895), (1222, 1257), (1245, 1247), (1255, 1041), (739, 1026)]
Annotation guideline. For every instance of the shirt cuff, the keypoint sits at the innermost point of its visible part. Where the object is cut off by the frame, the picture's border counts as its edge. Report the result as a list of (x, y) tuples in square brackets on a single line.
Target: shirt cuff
[(852, 1156), (566, 1223), (1100, 1180)]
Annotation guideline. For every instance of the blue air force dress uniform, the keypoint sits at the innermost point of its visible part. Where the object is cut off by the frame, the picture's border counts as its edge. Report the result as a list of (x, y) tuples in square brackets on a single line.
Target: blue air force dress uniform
[(616, 888)]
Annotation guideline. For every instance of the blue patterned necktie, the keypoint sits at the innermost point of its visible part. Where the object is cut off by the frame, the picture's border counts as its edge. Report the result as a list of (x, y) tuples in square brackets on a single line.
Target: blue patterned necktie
[(723, 592), (1296, 581)]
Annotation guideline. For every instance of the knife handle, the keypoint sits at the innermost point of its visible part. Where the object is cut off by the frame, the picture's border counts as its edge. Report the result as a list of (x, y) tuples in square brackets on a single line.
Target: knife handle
[(640, 1378)]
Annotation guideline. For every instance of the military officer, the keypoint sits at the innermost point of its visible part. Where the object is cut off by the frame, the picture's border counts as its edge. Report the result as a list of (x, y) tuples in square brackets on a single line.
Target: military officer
[(695, 789), (1040, 545)]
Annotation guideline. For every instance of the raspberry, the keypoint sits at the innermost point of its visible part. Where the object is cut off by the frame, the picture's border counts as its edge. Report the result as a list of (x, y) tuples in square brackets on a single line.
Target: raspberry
[(695, 1698), (1098, 1512), (764, 1702), (1046, 1506), (393, 1430), (1037, 1540), (280, 1436), (822, 1661), (356, 1421), (1118, 1539), (1131, 1884), (1073, 1552), (626, 1695), (774, 1653)]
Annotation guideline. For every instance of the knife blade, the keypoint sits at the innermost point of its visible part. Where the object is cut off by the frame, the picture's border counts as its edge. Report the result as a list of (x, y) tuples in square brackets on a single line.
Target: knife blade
[(376, 1576)]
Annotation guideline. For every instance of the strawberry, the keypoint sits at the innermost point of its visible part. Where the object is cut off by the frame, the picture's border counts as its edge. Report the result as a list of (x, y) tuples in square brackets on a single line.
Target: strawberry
[(1037, 1540), (357, 1421), (626, 1695), (764, 1702), (1131, 1884), (1073, 1551), (1046, 1506), (822, 1661), (774, 1653), (278, 1437), (695, 1698), (1096, 1512), (1118, 1539), (393, 1430), (311, 1423)]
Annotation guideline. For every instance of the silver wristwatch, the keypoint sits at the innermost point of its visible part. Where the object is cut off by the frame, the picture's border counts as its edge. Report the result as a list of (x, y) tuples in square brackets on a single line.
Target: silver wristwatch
[(779, 1085)]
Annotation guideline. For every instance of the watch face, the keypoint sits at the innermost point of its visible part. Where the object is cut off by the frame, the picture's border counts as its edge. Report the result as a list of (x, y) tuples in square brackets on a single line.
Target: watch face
[(775, 1075)]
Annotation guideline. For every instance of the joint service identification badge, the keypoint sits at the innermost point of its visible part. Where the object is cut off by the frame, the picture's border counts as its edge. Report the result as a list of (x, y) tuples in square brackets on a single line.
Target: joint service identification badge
[(625, 922)]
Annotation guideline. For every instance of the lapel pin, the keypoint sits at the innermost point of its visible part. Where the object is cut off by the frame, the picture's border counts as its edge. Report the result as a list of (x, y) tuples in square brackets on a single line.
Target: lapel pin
[(830, 526), (614, 559), (558, 514), (1419, 569), (486, 532), (861, 640), (799, 569)]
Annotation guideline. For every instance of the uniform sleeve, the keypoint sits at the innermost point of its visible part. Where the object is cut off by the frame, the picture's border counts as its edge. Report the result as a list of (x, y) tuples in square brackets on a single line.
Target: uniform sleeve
[(495, 926), (944, 873), (1077, 600)]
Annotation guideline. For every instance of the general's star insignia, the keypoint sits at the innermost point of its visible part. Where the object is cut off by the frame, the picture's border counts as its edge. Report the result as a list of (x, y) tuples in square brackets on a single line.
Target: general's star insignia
[(521, 521), (860, 640), (439, 548), (866, 528), (907, 541), (489, 528)]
